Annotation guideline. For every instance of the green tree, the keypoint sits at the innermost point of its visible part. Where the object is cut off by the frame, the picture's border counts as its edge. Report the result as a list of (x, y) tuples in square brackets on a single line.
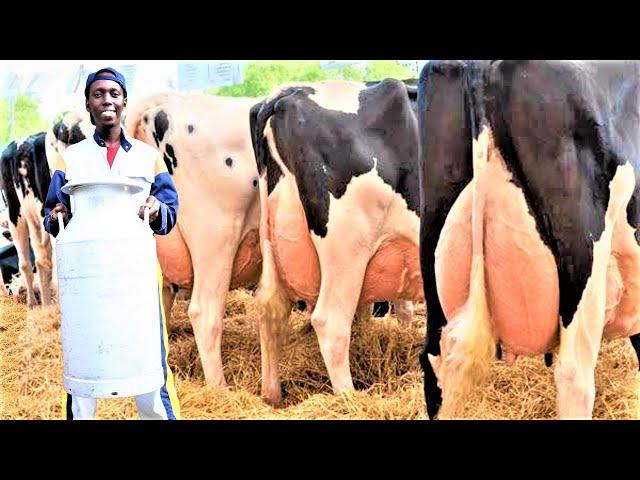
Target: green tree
[(381, 69), (27, 119), (261, 77)]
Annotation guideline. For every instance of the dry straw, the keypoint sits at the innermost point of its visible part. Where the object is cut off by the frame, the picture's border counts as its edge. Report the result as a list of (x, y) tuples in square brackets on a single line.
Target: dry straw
[(384, 364)]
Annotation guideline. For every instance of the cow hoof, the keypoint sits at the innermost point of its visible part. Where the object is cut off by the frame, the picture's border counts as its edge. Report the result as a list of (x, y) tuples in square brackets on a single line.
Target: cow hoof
[(217, 383), (274, 401)]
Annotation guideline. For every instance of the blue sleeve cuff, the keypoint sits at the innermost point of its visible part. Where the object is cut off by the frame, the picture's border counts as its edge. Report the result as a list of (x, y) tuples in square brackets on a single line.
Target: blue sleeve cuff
[(55, 196), (165, 191), (159, 225)]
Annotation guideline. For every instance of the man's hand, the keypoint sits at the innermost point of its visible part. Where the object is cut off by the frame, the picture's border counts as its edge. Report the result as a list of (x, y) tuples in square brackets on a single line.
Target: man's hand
[(154, 208), (59, 208)]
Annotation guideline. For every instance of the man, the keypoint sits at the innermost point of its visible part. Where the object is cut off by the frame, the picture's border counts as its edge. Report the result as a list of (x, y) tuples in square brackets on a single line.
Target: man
[(111, 152)]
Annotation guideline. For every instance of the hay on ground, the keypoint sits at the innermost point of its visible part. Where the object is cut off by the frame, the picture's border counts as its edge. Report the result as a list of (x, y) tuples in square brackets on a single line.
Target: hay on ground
[(383, 359)]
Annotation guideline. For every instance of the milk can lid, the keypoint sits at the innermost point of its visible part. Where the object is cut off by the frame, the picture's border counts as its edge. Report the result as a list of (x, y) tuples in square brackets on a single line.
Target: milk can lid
[(110, 180)]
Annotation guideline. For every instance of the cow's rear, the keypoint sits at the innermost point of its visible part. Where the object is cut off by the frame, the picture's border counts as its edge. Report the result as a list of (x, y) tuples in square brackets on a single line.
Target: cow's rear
[(206, 147), (339, 197), (543, 234)]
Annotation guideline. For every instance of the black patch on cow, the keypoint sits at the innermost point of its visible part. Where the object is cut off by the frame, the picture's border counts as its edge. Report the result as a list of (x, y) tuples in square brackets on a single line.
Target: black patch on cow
[(161, 125), (548, 359), (190, 128), (228, 161), (264, 161), (76, 135), (61, 132), (7, 187), (171, 154), (32, 157), (170, 159), (42, 172), (325, 149), (8, 262), (412, 91), (167, 162), (549, 107), (633, 210), (256, 136), (635, 342), (445, 167), (56, 129)]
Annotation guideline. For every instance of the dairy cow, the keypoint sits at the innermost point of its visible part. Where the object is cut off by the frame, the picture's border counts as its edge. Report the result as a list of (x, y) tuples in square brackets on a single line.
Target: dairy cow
[(339, 203), (529, 219)]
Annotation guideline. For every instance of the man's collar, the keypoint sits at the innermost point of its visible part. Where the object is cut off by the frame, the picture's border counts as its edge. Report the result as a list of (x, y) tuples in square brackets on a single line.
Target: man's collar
[(123, 140)]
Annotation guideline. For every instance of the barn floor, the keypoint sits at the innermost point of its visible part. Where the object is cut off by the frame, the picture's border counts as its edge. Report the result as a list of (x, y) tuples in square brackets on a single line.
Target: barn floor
[(384, 364)]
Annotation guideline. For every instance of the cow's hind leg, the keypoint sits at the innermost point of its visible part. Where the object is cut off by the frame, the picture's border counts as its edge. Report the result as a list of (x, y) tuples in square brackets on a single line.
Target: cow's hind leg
[(581, 334), (333, 315), (41, 243), (212, 266), (20, 235)]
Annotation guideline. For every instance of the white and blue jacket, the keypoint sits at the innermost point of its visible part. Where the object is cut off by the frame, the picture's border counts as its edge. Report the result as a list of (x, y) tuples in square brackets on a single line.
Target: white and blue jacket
[(135, 159)]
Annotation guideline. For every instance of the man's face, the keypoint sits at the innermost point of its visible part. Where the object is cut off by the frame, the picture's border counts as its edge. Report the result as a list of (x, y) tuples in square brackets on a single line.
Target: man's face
[(105, 103)]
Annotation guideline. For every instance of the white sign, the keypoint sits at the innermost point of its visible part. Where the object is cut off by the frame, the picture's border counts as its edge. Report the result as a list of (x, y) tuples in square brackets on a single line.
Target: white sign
[(414, 65), (10, 86), (192, 75), (201, 75), (329, 64), (129, 74), (77, 80), (222, 74)]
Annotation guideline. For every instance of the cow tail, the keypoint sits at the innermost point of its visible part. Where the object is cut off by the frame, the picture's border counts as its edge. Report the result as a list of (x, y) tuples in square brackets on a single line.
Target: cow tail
[(468, 340)]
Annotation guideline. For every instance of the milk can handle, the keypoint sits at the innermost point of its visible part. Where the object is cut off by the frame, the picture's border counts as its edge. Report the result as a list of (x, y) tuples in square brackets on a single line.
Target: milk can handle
[(60, 222), (145, 216)]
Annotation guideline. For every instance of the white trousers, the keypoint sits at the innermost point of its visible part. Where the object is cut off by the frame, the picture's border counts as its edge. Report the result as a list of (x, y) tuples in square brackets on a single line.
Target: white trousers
[(150, 407)]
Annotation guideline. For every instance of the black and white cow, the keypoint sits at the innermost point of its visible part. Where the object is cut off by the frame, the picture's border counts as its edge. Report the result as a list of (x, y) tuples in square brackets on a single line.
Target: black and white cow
[(73, 127), (530, 219), (339, 202), (8, 261), (9, 264), (24, 182), (412, 91)]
